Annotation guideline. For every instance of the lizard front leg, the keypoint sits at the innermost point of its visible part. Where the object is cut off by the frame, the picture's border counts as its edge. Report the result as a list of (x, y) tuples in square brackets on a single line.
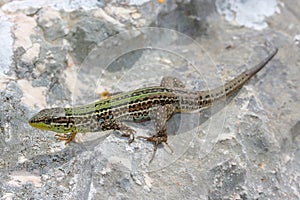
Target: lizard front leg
[(67, 137), (125, 130)]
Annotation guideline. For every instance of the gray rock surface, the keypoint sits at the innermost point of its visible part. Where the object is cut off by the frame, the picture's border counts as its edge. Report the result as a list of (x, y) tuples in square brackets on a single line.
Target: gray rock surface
[(64, 54)]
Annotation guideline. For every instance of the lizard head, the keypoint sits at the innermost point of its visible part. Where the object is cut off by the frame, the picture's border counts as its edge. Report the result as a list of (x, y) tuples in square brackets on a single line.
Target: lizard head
[(51, 119)]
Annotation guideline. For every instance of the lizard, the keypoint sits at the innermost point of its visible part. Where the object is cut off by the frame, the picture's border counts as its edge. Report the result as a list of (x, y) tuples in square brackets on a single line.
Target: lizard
[(156, 103)]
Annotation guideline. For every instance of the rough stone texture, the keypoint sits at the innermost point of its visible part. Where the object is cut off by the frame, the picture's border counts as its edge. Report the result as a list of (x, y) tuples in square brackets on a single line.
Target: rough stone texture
[(59, 54)]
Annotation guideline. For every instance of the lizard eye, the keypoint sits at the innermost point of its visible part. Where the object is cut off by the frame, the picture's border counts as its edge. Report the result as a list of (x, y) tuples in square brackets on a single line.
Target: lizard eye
[(48, 121)]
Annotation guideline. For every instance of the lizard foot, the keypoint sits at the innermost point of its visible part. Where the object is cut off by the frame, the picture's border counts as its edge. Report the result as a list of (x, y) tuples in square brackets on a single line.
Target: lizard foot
[(66, 137), (130, 136), (156, 140)]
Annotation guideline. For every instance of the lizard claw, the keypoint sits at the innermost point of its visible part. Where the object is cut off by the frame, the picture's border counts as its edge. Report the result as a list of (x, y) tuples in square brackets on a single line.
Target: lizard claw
[(66, 137), (156, 140), (130, 136)]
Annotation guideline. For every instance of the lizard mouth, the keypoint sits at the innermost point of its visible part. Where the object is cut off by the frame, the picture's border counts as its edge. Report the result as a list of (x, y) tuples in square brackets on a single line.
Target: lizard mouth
[(36, 124)]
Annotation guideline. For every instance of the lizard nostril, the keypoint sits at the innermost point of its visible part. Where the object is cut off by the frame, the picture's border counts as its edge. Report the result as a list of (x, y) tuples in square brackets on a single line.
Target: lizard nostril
[(32, 120)]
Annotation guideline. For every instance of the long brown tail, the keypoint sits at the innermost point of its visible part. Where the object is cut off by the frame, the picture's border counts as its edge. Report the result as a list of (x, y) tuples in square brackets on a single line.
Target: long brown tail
[(235, 84)]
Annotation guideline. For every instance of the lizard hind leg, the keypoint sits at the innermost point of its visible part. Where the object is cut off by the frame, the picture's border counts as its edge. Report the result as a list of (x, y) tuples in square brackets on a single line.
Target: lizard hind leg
[(156, 140), (172, 82), (160, 115)]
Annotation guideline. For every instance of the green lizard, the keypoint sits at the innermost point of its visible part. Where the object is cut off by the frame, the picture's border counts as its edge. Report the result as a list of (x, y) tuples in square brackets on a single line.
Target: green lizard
[(157, 103)]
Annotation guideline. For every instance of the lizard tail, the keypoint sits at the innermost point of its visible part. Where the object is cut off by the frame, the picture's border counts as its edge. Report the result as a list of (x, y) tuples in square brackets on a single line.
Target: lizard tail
[(251, 72), (232, 86), (235, 84)]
